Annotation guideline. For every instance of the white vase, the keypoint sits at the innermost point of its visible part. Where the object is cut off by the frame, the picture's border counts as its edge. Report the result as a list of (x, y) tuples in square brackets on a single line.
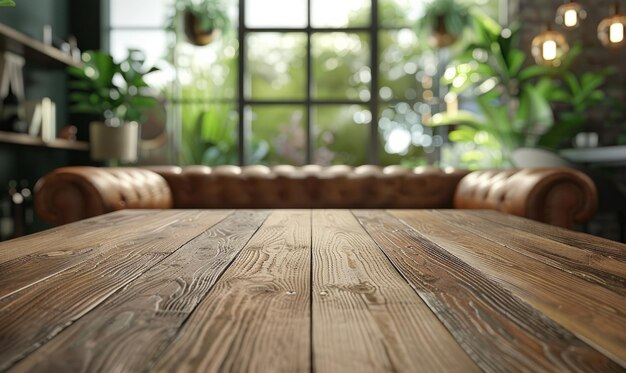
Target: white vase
[(109, 143)]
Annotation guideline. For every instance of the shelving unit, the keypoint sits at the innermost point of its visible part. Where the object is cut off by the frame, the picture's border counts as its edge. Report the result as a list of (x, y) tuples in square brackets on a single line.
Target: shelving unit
[(26, 158), (33, 50), (40, 54), (27, 140)]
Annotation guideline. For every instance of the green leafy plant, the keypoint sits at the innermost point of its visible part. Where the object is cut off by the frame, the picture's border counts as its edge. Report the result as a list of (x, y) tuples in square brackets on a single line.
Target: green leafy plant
[(211, 139), (200, 19), (111, 89), (513, 108), (573, 96), (444, 21), (518, 106), (7, 3)]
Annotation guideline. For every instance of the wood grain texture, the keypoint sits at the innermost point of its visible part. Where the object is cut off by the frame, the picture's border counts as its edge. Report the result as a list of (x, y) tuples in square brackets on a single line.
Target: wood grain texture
[(591, 312), (596, 245), (586, 264), (35, 258), (35, 315), (321, 290), (56, 238), (500, 332), (366, 317), (257, 317), (130, 330)]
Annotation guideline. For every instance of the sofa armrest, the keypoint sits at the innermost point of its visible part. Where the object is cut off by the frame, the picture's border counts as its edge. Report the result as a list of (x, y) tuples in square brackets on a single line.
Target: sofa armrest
[(557, 196), (73, 193)]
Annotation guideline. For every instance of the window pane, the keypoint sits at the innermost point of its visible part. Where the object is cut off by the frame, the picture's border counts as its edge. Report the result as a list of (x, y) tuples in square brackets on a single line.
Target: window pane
[(403, 137), (152, 43), (209, 133), (276, 13), (341, 67), (344, 13), (277, 135), (140, 13), (400, 13), (406, 71), (341, 134), (276, 66), (209, 72)]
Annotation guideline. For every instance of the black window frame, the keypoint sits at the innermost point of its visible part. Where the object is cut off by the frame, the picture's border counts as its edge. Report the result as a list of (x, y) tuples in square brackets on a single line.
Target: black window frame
[(242, 102)]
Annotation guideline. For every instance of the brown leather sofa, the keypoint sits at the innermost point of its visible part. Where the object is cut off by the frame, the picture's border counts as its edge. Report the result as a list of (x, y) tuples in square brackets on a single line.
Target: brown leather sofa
[(558, 196)]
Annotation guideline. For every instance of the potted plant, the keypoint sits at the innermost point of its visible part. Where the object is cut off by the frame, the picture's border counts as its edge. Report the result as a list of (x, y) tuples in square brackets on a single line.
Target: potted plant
[(202, 20), (444, 21), (117, 93)]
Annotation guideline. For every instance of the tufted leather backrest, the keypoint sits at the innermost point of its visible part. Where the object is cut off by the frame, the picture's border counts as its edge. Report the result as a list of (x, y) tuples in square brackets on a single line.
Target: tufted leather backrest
[(72, 193), (559, 196), (311, 186)]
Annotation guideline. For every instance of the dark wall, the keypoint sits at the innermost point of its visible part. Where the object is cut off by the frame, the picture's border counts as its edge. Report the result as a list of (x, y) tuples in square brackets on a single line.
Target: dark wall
[(67, 17), (535, 14), (29, 17)]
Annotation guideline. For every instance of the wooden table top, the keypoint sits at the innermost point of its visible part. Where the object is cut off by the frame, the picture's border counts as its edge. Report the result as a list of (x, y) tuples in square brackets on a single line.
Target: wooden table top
[(312, 290)]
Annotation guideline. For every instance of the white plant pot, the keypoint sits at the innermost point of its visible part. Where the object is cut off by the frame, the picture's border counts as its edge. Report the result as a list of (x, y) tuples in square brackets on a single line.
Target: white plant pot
[(114, 143)]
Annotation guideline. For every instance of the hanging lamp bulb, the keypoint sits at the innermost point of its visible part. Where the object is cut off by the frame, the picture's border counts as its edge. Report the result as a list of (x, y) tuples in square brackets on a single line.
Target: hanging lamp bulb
[(570, 14), (612, 29), (549, 47)]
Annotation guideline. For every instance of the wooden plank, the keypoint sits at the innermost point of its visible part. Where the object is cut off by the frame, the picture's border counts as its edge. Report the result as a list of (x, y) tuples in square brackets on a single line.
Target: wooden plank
[(590, 266), (366, 317), (594, 314), (257, 317), (596, 245), (500, 332), (34, 259), (55, 239), (35, 315), (133, 326)]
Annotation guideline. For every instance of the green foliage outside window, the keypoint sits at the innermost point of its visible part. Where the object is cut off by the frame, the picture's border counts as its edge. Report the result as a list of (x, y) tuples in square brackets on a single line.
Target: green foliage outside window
[(276, 70)]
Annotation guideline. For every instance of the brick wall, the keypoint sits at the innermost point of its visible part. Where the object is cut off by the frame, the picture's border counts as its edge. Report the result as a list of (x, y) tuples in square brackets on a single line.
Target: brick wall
[(533, 16)]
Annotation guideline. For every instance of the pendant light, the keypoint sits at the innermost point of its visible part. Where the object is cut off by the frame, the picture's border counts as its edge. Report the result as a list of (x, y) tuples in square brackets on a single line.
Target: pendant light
[(612, 29), (549, 47), (570, 14)]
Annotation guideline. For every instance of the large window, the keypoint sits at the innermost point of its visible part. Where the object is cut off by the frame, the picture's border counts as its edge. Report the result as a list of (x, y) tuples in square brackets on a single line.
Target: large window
[(295, 82)]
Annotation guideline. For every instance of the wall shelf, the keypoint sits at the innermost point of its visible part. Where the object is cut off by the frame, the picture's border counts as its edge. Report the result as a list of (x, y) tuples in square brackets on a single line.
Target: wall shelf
[(33, 50), (27, 140), (600, 156)]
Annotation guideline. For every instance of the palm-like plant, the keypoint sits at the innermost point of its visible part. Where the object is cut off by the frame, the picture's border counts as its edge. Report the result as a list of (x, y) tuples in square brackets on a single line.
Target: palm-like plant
[(514, 101), (7, 3), (513, 108)]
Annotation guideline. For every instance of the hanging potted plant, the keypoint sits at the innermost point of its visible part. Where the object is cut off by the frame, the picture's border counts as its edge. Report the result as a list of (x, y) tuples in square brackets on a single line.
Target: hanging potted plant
[(444, 21), (117, 94), (202, 20)]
